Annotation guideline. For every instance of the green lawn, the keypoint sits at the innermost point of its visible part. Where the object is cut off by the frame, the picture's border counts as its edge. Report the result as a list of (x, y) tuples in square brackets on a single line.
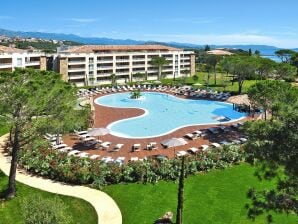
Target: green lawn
[(221, 78), (215, 197), (10, 211)]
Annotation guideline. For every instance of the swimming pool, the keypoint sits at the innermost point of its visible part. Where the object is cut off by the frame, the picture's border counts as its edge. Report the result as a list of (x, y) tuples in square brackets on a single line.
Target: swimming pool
[(164, 113)]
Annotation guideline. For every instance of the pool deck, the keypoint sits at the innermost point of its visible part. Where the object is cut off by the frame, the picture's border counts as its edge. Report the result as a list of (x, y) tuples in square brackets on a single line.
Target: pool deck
[(106, 115)]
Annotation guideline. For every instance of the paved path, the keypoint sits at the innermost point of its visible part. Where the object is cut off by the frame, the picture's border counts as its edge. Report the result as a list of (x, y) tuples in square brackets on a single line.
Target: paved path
[(106, 208)]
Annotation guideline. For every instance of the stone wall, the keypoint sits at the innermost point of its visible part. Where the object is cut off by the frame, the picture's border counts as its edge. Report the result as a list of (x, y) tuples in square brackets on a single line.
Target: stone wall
[(192, 64), (63, 68)]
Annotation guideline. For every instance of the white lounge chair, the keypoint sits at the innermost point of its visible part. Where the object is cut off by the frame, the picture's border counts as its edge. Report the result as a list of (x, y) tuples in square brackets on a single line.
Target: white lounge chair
[(181, 153), (83, 155), (117, 147), (136, 147), (204, 147), (133, 159), (193, 150), (105, 145), (215, 145), (107, 159), (119, 160), (73, 152), (94, 157)]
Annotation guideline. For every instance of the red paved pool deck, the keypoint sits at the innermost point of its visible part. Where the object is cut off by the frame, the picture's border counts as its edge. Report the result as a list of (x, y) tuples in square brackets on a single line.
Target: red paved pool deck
[(106, 115)]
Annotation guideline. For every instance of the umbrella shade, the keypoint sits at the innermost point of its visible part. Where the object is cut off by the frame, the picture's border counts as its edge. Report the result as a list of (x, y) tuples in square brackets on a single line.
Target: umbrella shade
[(174, 142), (197, 84), (222, 118), (98, 131)]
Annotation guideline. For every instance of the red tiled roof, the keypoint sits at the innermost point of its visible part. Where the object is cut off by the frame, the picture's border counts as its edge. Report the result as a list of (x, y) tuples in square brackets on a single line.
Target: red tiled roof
[(95, 48), (4, 49)]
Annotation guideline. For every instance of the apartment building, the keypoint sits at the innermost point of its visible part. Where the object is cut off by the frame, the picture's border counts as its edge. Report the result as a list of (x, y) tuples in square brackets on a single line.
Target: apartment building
[(94, 64), (11, 58)]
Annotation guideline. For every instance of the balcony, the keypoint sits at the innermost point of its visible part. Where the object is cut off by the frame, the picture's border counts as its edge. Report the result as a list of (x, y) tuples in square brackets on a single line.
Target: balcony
[(72, 77), (76, 69), (73, 62), (32, 63), (104, 61), (5, 65), (104, 67)]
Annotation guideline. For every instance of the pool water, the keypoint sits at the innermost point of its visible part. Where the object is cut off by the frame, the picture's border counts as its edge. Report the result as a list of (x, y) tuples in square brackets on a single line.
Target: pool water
[(164, 113)]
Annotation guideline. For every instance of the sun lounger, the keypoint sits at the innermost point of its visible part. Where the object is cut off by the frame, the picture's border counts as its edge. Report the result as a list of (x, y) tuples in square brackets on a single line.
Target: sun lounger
[(105, 145), (243, 140), (198, 132), (151, 146), (81, 132), (119, 160), (193, 150), (73, 152), (60, 146), (136, 147), (215, 145), (117, 147), (107, 159), (236, 141), (133, 159), (65, 149), (181, 153), (87, 139), (204, 147), (83, 155), (191, 136), (225, 143)]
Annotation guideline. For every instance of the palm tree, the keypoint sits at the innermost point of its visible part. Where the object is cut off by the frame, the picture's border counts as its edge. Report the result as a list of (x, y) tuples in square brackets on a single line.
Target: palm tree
[(135, 94), (212, 60), (159, 62), (113, 78)]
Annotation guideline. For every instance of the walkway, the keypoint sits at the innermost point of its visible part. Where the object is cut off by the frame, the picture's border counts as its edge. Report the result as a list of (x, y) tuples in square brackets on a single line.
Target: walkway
[(106, 208)]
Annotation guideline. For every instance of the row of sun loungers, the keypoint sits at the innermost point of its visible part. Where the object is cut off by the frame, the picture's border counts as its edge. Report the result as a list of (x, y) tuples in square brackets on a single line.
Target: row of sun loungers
[(186, 91)]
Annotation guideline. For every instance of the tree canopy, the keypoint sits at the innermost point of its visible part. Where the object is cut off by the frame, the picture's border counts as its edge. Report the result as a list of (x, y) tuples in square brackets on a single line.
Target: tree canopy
[(272, 146), (159, 62), (32, 103)]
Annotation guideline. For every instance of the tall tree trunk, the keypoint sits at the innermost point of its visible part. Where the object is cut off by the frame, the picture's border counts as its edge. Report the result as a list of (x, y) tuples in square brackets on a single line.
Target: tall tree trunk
[(159, 73), (215, 75), (180, 194), (240, 87), (11, 188)]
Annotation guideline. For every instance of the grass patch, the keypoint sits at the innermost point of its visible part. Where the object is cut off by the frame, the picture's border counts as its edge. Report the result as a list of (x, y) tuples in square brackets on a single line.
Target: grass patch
[(215, 197), (222, 79), (10, 211)]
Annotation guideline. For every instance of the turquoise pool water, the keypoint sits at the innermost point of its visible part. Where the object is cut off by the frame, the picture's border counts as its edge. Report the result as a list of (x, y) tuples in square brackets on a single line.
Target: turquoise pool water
[(164, 113)]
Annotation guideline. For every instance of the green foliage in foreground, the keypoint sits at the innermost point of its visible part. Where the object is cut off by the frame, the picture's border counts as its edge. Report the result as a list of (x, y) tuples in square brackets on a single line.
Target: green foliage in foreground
[(273, 144), (36, 209), (215, 197), (79, 210), (70, 169)]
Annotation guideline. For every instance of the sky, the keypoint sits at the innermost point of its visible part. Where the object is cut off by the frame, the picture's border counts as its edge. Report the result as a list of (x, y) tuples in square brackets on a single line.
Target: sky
[(270, 22)]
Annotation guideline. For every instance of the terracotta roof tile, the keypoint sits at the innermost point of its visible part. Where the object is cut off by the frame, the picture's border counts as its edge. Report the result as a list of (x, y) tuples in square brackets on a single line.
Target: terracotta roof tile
[(98, 48), (4, 49)]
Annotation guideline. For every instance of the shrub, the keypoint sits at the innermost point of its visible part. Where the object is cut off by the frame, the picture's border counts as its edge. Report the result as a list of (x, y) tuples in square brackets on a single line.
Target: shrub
[(38, 210), (75, 170)]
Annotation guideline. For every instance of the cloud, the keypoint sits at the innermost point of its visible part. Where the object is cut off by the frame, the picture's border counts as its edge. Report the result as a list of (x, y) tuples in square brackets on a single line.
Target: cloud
[(189, 20), (83, 20)]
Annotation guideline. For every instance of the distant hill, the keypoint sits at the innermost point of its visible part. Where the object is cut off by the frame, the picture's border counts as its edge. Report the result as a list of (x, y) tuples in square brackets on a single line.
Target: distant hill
[(265, 49)]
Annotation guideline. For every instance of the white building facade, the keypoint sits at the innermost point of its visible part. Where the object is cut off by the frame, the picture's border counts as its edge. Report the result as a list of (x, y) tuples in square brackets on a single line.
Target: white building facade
[(94, 65), (11, 58)]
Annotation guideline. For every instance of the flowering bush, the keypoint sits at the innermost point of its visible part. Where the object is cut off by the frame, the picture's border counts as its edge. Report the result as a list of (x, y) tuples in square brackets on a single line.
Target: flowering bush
[(59, 166)]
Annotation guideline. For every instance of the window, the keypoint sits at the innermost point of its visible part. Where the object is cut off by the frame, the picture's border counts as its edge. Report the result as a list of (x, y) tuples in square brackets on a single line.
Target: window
[(19, 61)]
